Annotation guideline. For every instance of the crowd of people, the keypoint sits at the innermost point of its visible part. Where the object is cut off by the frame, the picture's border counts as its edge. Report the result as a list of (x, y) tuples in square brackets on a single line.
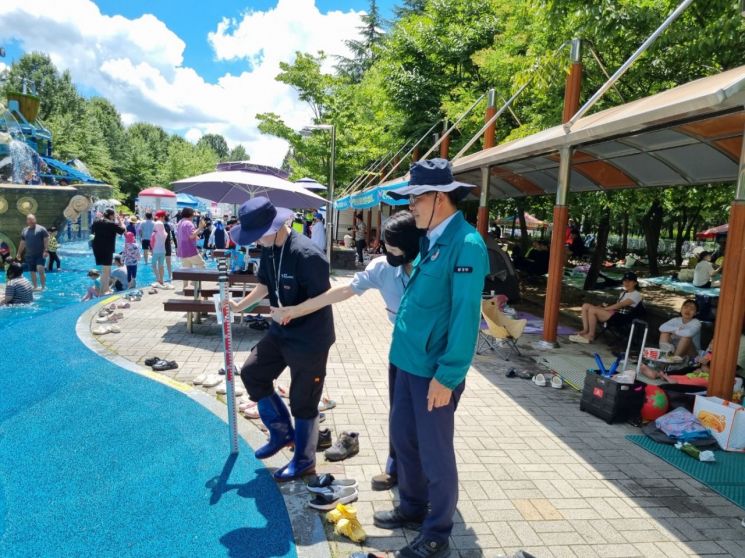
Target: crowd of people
[(153, 241)]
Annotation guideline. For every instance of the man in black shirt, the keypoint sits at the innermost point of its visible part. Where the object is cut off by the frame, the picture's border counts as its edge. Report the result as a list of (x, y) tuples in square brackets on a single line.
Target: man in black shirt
[(292, 270)]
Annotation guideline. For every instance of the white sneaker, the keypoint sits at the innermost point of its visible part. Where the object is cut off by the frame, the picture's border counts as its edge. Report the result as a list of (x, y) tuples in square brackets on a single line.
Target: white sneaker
[(539, 380), (222, 388)]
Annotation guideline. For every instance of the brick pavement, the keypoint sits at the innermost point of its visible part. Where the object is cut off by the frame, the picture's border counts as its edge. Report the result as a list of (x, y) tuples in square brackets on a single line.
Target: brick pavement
[(535, 472)]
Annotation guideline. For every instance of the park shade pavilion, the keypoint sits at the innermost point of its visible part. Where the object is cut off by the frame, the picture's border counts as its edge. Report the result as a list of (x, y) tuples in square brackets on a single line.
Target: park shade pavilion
[(689, 135)]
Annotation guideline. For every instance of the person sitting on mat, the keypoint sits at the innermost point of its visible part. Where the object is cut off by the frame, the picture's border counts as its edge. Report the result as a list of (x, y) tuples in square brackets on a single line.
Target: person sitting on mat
[(388, 274), (592, 314), (683, 332)]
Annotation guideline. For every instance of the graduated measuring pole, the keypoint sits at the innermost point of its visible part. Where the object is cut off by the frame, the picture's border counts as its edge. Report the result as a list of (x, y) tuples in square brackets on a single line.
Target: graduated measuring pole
[(227, 338)]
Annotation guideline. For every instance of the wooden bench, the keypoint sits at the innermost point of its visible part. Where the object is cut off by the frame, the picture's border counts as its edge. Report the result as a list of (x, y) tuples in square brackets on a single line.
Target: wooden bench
[(191, 307), (209, 293)]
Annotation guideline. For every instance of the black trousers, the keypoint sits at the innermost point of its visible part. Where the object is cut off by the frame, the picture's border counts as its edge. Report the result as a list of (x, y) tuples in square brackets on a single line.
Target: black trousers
[(53, 257), (307, 373), (360, 245)]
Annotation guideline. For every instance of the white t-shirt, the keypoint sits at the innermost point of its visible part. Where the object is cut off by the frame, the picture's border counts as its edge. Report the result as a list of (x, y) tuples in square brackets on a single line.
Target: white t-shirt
[(635, 296), (676, 326), (702, 273), (390, 281)]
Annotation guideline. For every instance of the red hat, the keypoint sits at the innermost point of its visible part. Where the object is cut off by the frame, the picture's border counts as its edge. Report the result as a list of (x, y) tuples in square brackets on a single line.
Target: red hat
[(160, 214)]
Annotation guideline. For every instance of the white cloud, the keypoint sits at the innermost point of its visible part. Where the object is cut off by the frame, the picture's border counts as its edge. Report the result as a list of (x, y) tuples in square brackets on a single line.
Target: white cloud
[(137, 63)]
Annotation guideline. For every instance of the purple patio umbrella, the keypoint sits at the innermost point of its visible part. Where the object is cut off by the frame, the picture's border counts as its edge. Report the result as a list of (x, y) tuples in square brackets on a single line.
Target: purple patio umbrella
[(310, 184), (236, 182)]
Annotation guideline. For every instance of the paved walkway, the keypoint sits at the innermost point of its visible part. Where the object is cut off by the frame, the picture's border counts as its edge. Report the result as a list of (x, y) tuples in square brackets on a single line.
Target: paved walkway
[(536, 473)]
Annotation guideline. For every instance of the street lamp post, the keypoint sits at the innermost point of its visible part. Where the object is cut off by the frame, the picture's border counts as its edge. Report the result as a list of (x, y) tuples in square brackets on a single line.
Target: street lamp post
[(330, 213)]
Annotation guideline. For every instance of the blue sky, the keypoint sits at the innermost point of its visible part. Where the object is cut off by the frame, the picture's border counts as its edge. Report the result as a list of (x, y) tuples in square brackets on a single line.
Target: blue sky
[(180, 64)]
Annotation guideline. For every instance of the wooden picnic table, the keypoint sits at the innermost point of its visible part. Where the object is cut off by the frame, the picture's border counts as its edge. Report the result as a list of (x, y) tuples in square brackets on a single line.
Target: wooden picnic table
[(199, 276)]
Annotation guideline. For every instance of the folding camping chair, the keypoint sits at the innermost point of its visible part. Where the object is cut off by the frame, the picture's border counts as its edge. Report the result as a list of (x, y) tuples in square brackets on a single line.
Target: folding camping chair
[(496, 327)]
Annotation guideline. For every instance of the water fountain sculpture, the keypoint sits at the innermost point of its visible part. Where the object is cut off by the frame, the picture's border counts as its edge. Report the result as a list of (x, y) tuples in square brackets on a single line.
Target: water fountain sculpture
[(31, 181)]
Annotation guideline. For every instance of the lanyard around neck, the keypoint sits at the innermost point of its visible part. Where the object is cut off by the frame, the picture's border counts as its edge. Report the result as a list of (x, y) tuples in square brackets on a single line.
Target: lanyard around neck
[(278, 270)]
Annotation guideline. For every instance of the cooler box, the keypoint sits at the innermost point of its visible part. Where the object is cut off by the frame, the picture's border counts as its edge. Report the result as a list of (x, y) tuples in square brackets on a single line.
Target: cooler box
[(611, 400)]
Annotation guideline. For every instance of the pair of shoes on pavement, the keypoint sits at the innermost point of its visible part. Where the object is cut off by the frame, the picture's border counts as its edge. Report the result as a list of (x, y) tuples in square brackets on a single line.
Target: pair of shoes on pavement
[(556, 381), (328, 492), (160, 365), (421, 547), (347, 445)]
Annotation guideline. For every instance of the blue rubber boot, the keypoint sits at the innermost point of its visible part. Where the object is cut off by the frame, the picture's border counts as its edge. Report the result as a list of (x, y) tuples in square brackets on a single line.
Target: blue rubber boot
[(304, 460), (276, 418)]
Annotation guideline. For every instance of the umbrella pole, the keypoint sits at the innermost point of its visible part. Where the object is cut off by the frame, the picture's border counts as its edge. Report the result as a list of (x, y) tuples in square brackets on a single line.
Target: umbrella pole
[(227, 337)]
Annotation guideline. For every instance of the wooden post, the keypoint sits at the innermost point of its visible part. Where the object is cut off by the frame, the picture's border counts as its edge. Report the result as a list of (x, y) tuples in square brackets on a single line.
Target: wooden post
[(561, 211), (482, 217), (445, 145), (731, 309)]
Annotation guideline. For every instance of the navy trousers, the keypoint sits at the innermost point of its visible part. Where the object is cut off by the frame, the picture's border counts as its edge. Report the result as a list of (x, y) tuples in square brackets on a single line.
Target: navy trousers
[(390, 465), (425, 457)]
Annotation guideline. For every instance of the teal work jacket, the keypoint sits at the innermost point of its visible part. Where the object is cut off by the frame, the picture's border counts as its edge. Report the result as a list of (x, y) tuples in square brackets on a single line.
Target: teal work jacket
[(438, 320)]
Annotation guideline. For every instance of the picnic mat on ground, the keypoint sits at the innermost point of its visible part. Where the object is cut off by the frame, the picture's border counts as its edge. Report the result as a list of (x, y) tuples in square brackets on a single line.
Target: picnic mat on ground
[(725, 476), (535, 324), (682, 287), (571, 368)]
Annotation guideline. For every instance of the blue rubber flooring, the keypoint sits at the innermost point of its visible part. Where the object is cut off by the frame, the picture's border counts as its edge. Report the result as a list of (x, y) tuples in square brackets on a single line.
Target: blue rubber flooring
[(98, 461)]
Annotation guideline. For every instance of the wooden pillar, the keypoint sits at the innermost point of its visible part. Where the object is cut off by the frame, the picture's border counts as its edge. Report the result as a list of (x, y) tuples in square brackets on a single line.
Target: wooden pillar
[(445, 145), (482, 217), (369, 223), (380, 222), (415, 154), (491, 132), (561, 211), (731, 309)]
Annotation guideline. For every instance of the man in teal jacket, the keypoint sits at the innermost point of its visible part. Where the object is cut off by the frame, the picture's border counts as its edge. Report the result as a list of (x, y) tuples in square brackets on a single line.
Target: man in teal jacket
[(433, 344)]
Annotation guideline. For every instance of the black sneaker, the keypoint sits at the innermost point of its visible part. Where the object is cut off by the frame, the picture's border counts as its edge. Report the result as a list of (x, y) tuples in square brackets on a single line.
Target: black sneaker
[(421, 548), (394, 519), (347, 445), (324, 439)]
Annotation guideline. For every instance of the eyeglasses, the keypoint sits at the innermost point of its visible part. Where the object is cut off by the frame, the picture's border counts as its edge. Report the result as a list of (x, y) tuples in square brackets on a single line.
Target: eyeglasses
[(413, 200)]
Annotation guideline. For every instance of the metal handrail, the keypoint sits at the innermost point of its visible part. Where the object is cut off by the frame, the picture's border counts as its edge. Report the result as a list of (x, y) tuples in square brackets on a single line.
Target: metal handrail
[(507, 104), (626, 65), (365, 183), (455, 124), (410, 151)]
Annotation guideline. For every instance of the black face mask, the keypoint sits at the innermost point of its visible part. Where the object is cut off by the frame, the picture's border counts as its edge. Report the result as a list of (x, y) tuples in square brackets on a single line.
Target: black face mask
[(395, 261)]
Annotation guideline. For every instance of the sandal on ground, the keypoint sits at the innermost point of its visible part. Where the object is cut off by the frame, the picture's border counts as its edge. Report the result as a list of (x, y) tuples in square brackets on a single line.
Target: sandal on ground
[(557, 382), (245, 403), (326, 404), (153, 291), (115, 329), (212, 380), (109, 318), (539, 380), (579, 339), (163, 365), (199, 379), (524, 374), (123, 304), (152, 360), (101, 330)]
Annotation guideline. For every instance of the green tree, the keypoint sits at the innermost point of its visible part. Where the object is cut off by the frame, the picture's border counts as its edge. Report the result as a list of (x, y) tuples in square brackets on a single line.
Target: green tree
[(238, 153), (216, 143), (364, 50), (41, 77), (184, 159)]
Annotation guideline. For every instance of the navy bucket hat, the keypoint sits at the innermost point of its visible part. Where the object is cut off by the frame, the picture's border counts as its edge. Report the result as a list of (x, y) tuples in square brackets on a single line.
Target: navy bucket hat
[(432, 175), (258, 217)]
